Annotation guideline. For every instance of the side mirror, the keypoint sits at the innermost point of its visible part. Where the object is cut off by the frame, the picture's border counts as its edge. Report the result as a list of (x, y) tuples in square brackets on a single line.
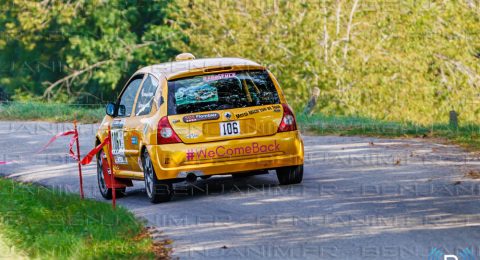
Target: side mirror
[(110, 109), (121, 110)]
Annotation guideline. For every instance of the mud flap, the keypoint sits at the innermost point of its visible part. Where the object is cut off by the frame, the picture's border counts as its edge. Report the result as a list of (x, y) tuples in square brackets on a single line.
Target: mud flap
[(119, 183)]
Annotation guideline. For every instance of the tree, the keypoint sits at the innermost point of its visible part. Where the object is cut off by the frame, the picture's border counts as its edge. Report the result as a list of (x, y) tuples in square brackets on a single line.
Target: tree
[(394, 60), (81, 51)]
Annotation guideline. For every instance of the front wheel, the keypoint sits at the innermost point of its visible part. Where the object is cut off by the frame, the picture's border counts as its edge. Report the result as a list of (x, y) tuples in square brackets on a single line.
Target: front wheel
[(290, 175), (102, 186), (157, 191)]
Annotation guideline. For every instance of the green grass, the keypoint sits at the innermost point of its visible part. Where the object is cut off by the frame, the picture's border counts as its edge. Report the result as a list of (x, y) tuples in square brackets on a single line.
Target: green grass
[(51, 224), (51, 112), (465, 135), (9, 252)]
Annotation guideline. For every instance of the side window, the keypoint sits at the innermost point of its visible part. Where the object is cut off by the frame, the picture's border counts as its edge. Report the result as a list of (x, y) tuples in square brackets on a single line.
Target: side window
[(145, 98), (128, 96)]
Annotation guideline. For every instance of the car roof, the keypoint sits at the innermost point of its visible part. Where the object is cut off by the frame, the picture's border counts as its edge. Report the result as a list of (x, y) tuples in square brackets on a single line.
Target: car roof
[(177, 68)]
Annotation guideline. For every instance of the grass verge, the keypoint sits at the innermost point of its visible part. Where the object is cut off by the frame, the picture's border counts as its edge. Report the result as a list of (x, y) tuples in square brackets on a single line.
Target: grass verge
[(50, 224), (51, 112), (465, 135), (9, 252)]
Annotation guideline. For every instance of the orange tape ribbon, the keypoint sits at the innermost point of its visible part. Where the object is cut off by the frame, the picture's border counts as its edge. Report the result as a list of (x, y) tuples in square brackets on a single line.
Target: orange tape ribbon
[(89, 157), (72, 141)]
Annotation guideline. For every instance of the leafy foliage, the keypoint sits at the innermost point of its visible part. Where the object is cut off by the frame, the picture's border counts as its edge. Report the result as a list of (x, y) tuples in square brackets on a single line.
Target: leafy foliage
[(408, 61), (392, 60), (79, 50)]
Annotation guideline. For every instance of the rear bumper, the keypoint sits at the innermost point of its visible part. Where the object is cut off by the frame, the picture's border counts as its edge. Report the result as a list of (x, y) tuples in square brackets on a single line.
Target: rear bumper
[(175, 161)]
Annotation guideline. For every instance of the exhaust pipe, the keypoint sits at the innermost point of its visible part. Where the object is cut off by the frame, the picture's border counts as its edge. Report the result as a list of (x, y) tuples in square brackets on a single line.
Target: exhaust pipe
[(191, 177)]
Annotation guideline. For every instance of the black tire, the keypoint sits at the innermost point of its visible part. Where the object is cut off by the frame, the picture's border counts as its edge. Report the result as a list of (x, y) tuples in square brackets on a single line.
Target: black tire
[(157, 191), (290, 175), (106, 192)]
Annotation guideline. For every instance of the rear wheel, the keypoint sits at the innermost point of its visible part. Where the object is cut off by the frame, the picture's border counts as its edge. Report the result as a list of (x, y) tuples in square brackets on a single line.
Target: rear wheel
[(102, 186), (290, 175), (157, 191)]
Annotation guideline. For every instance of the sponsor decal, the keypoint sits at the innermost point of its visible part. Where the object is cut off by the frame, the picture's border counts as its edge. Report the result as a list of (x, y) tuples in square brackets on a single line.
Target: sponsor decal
[(120, 159), (118, 123), (200, 117), (228, 115), (277, 108), (222, 151), (218, 76), (259, 110), (192, 136), (118, 141), (134, 140), (198, 92)]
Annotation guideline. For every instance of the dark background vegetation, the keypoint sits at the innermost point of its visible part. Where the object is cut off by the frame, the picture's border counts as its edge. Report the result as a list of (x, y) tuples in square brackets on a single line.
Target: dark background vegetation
[(404, 61)]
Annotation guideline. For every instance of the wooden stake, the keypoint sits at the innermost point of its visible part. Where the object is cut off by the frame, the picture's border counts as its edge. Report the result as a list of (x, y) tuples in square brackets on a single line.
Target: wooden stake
[(312, 102), (112, 178), (78, 156), (453, 119)]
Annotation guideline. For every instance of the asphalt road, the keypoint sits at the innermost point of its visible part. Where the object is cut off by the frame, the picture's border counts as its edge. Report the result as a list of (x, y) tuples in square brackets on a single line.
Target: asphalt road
[(361, 198)]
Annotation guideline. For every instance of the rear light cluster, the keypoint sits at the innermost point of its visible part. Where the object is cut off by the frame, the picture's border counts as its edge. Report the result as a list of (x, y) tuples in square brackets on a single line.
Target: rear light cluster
[(288, 121), (165, 132)]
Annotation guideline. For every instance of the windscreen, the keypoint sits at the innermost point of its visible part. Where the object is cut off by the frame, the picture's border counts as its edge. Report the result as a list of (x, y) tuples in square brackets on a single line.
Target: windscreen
[(221, 91)]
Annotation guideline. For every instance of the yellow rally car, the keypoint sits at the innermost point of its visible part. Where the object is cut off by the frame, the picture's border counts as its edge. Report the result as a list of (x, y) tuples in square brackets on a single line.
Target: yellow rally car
[(193, 118)]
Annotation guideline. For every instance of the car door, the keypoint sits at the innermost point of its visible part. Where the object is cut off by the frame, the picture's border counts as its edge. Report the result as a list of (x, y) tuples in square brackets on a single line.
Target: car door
[(136, 127), (122, 149)]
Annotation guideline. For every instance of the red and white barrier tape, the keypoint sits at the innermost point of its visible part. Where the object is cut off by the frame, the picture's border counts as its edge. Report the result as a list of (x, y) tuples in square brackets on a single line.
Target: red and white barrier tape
[(72, 141), (89, 157)]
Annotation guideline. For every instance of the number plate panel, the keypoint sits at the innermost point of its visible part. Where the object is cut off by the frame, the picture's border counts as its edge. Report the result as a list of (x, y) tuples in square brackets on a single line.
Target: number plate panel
[(118, 146), (229, 128)]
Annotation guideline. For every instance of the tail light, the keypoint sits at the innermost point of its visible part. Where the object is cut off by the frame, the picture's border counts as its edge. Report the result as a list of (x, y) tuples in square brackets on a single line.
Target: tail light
[(165, 132), (288, 121)]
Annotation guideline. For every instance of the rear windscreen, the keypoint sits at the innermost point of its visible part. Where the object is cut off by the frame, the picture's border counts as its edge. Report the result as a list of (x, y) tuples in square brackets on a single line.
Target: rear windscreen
[(221, 91)]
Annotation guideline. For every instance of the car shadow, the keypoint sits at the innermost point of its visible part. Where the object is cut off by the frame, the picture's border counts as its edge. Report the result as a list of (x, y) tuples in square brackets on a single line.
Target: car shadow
[(215, 186)]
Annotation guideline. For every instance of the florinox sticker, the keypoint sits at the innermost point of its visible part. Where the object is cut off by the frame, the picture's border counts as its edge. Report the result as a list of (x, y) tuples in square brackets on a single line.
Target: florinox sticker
[(222, 151), (201, 117)]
